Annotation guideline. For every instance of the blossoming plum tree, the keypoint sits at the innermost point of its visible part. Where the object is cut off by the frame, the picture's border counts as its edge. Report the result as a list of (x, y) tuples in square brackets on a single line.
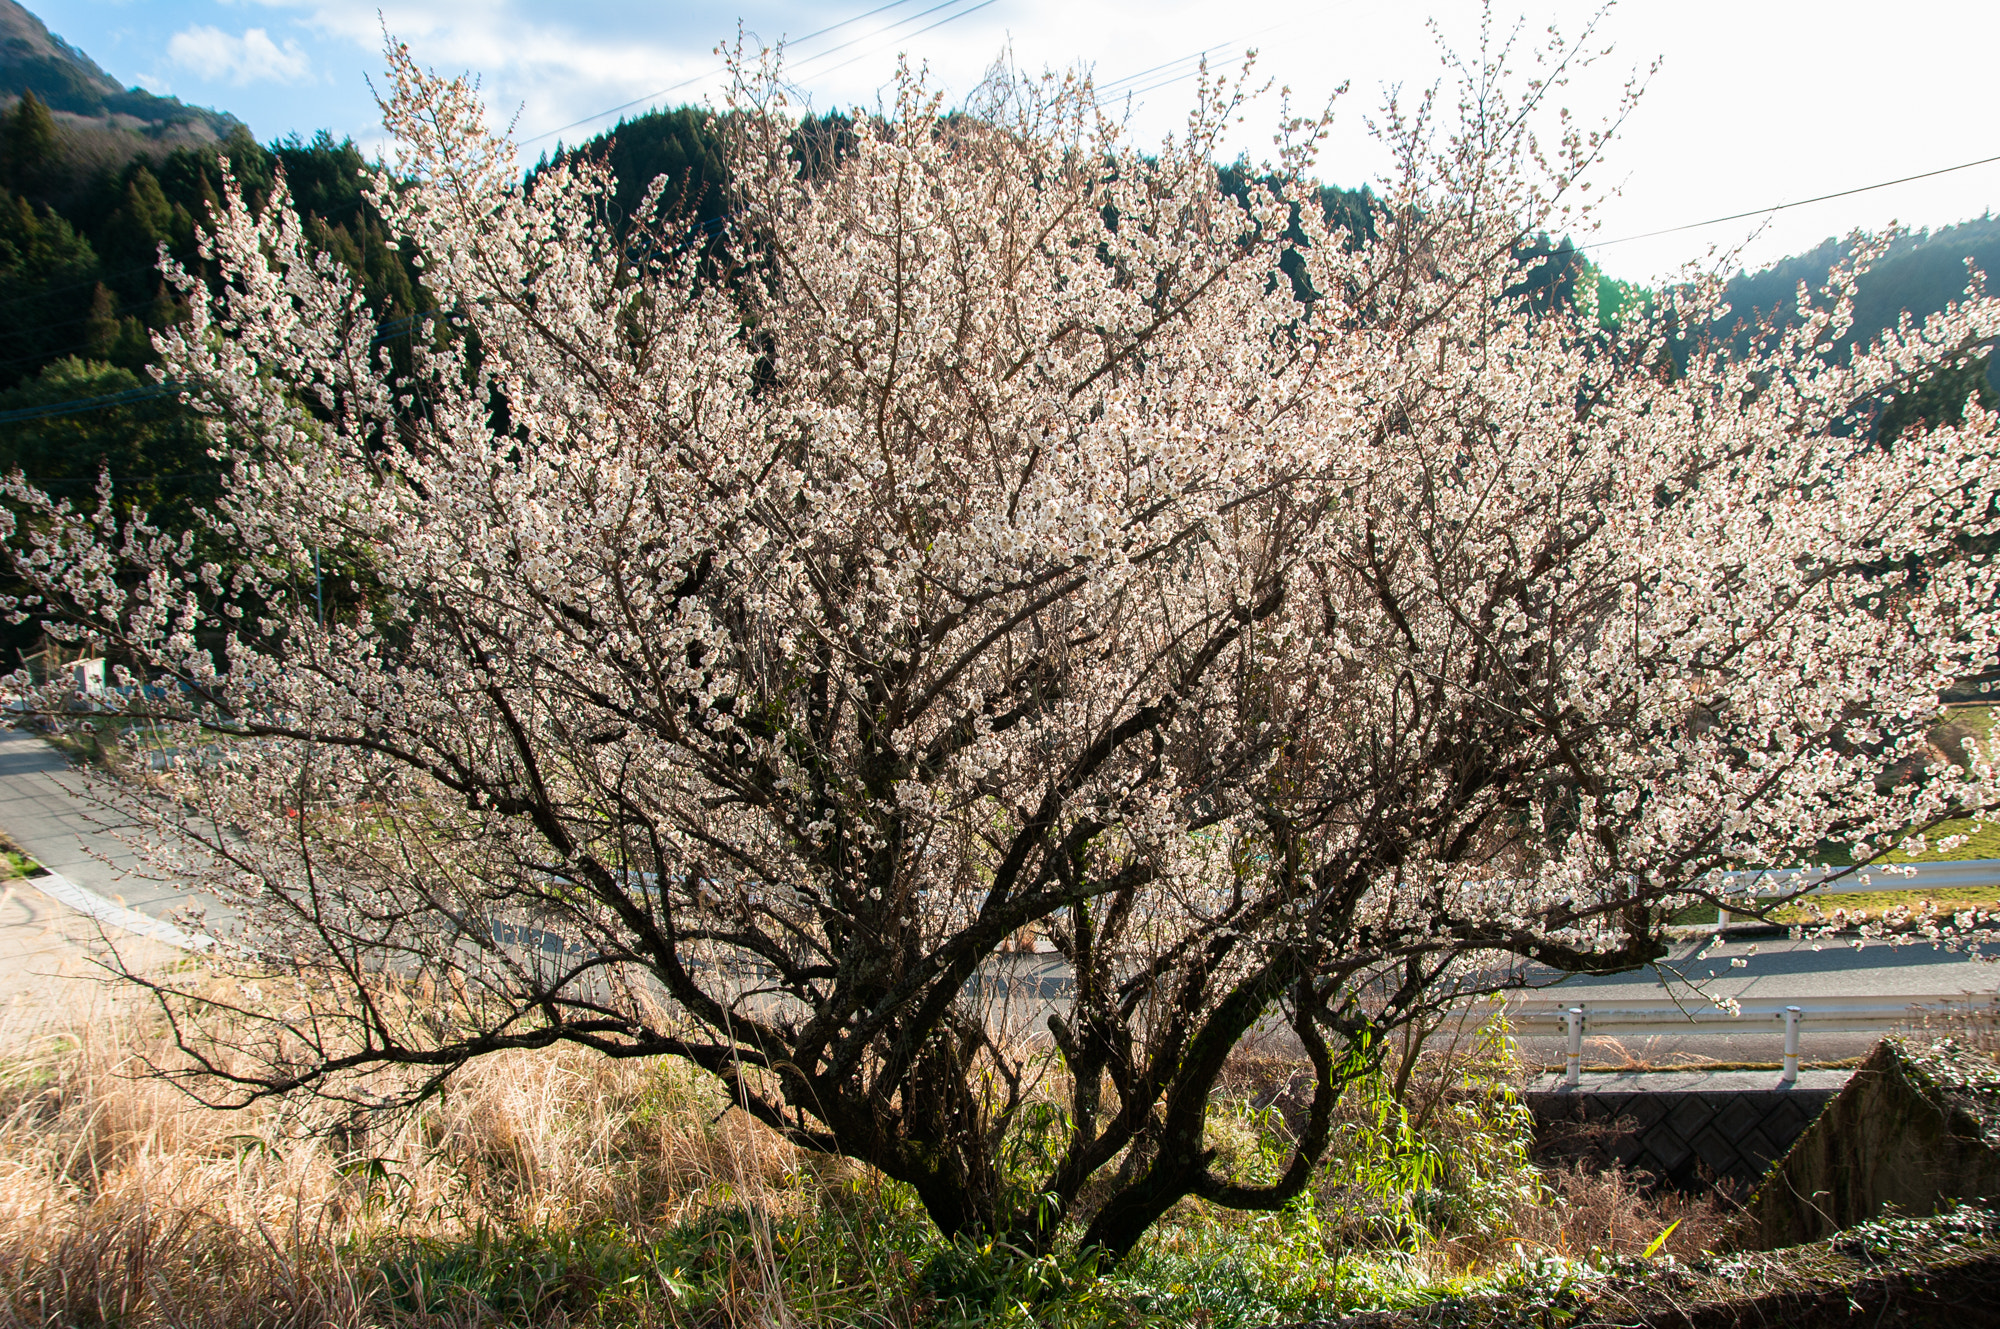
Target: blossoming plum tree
[(1021, 538)]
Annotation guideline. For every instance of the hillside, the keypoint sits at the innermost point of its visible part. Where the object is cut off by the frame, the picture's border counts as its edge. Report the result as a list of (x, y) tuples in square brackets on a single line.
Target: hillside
[(94, 179), (1921, 273), (70, 83)]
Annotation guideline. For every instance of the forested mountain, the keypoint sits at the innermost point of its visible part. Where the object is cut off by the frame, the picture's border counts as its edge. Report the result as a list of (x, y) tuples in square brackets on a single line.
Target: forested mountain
[(68, 82), (79, 258), (93, 180), (1920, 274), (685, 146), (98, 127)]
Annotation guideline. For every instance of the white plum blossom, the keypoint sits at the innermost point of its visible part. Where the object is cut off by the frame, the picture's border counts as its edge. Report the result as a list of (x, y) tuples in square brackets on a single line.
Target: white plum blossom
[(1002, 539)]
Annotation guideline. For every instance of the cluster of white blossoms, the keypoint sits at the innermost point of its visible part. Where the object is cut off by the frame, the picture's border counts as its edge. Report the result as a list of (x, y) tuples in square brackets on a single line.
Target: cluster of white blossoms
[(1001, 529)]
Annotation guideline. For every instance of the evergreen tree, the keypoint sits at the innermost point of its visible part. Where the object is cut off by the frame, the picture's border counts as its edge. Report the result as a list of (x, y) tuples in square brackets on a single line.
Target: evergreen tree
[(144, 218), (29, 154), (156, 454), (48, 276), (1939, 399)]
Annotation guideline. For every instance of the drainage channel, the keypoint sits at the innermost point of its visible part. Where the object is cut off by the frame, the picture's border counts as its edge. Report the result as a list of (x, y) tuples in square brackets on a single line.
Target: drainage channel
[(1688, 1129)]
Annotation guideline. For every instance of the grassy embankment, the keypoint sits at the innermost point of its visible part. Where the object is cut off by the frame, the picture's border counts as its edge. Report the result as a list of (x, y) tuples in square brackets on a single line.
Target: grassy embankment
[(1982, 841), (561, 1188)]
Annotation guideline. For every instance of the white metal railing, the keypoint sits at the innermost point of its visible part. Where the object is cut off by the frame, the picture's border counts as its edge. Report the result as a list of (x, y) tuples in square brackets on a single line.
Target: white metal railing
[(1744, 1015), (109, 913), (1939, 876)]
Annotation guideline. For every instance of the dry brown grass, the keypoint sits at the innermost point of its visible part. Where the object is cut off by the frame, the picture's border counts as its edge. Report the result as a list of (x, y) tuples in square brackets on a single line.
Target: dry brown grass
[(1974, 1034), (124, 1202), (1613, 1213)]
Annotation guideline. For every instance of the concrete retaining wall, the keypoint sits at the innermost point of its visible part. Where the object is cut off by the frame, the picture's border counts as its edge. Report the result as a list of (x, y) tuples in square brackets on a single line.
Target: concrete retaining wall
[(1912, 1129)]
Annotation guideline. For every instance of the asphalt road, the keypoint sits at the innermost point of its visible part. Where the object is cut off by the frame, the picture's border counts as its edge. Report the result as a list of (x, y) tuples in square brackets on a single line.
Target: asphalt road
[(1789, 970), (47, 948), (43, 809), (1793, 969)]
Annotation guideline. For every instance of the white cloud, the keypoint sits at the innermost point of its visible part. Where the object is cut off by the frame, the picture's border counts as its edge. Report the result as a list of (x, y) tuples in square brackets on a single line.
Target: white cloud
[(212, 55), (1911, 104)]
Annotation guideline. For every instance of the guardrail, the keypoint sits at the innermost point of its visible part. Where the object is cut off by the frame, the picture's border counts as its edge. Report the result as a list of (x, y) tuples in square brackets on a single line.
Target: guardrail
[(1663, 1015), (1940, 876)]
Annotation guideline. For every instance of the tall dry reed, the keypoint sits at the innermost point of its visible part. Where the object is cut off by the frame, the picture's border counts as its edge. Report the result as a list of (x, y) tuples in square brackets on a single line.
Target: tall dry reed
[(122, 1201), (560, 1187)]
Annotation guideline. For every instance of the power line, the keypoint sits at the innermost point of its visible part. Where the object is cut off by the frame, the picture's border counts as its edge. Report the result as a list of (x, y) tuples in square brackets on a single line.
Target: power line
[(711, 73), (952, 18), (1781, 207), (182, 477), (78, 405), (73, 285), (820, 55), (653, 96), (1118, 88), (116, 311), (1106, 93), (49, 355), (387, 330), (1108, 90), (897, 23)]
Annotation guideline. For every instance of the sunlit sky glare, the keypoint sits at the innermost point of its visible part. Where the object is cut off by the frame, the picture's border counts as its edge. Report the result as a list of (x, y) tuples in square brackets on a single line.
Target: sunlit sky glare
[(1756, 102)]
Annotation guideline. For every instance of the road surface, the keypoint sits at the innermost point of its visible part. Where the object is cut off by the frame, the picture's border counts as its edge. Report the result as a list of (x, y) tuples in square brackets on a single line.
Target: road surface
[(42, 809), (1786, 970), (46, 945)]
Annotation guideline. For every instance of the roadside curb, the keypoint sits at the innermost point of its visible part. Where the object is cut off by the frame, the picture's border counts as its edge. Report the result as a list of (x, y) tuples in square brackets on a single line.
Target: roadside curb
[(112, 914)]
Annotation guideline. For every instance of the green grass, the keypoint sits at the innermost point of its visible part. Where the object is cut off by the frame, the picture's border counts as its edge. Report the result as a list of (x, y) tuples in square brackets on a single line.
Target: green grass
[(877, 1261), (1982, 841), (1957, 724), (108, 733), (860, 1251)]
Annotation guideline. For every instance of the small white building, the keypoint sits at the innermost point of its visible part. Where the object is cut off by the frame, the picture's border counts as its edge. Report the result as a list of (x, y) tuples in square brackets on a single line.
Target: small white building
[(88, 675)]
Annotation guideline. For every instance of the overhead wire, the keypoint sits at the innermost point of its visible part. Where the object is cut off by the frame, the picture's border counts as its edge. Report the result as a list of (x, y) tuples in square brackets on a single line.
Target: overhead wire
[(116, 311), (79, 405), (786, 45), (1115, 89), (123, 479), (1782, 207), (654, 96), (1106, 92), (912, 18), (386, 330), (876, 50), (50, 353), (40, 292)]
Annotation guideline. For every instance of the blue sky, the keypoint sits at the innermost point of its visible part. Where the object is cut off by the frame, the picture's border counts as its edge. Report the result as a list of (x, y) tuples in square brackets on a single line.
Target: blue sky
[(1756, 101)]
